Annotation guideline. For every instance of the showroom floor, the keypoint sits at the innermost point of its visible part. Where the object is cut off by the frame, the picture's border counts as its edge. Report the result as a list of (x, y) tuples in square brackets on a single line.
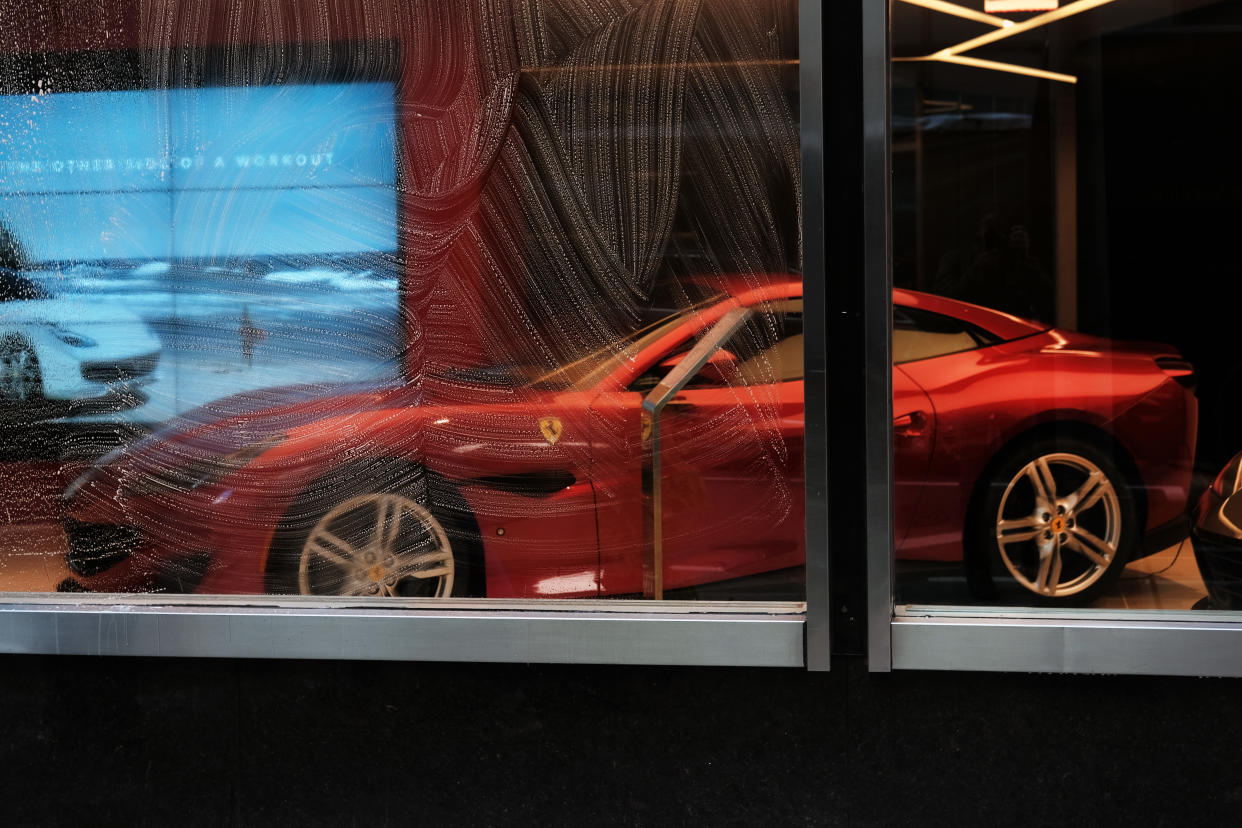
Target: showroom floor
[(32, 559), (1164, 581), (1167, 580)]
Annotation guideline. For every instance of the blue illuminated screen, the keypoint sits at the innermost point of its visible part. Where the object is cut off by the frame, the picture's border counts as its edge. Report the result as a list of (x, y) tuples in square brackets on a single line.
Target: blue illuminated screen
[(248, 234)]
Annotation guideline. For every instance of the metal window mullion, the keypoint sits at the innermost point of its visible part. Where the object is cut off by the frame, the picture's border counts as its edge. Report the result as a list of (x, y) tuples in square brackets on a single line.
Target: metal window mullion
[(877, 333), (815, 339)]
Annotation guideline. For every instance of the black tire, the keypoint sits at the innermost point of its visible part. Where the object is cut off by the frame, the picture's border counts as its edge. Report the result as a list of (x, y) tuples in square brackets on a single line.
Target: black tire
[(21, 379), (350, 497), (1078, 546)]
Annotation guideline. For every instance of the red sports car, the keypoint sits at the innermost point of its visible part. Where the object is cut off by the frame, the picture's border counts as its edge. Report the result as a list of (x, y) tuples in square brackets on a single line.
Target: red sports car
[(670, 459)]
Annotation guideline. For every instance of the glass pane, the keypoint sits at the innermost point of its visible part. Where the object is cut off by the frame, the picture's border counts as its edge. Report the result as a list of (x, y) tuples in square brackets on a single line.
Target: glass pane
[(1063, 204), (472, 300)]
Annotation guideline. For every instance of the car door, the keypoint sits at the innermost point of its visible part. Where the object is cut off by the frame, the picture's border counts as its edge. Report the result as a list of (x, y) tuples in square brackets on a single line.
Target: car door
[(938, 359), (914, 428), (731, 443)]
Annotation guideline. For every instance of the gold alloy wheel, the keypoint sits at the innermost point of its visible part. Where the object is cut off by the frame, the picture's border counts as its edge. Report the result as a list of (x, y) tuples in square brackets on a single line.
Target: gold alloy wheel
[(377, 544), (1058, 527)]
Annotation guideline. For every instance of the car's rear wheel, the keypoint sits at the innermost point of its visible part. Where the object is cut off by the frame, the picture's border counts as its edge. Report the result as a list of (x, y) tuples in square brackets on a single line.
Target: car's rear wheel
[(395, 531), (1059, 519), (21, 379)]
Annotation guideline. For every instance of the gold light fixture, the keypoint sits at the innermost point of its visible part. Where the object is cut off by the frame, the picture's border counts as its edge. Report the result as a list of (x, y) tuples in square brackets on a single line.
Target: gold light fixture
[(953, 54), (1025, 26), (1010, 6), (1012, 68), (961, 11)]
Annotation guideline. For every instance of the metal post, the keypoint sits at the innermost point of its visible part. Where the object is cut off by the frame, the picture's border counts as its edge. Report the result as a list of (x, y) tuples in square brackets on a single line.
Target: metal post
[(653, 407)]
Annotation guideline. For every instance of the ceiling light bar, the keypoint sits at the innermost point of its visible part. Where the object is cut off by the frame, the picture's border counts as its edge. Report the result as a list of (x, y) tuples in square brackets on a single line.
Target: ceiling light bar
[(994, 65), (961, 11), (1010, 6), (1025, 26)]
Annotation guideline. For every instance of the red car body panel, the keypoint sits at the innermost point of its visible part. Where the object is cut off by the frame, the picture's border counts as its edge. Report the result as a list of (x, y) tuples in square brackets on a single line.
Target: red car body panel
[(985, 399), (733, 480), (1004, 325)]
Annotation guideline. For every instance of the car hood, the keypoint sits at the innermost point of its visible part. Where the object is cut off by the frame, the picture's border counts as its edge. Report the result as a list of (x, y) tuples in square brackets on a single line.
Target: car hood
[(203, 435), (256, 414), (116, 330)]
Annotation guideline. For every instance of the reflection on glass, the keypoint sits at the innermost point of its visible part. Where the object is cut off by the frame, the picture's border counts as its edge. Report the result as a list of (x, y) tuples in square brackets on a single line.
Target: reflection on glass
[(1070, 461), (381, 328)]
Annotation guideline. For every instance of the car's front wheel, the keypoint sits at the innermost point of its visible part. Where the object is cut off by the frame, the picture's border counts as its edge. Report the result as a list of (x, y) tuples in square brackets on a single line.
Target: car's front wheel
[(401, 534), (1060, 520), (20, 377)]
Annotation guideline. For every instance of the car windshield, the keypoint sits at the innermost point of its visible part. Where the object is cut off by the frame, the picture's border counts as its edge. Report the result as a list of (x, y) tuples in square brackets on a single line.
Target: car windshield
[(16, 287), (588, 370)]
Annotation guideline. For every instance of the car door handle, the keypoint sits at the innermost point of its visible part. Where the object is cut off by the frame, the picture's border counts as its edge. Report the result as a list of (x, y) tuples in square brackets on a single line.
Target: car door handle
[(912, 424)]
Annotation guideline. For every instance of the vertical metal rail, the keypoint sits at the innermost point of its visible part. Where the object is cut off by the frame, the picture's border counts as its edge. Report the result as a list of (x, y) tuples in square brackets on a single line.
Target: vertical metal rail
[(815, 339), (877, 334), (653, 407)]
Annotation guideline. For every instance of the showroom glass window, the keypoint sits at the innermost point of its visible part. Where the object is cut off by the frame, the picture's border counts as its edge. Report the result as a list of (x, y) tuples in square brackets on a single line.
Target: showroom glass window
[(1063, 201), (446, 300)]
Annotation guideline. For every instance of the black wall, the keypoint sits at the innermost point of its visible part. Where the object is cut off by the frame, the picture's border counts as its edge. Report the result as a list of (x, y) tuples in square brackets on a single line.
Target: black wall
[(1161, 224), (130, 742)]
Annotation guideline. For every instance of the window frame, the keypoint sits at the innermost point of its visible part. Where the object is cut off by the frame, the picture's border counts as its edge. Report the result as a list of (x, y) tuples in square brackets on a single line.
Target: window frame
[(717, 633), (967, 637)]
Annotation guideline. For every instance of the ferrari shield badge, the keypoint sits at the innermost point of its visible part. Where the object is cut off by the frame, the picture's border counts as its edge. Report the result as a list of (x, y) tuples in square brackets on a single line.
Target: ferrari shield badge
[(550, 428)]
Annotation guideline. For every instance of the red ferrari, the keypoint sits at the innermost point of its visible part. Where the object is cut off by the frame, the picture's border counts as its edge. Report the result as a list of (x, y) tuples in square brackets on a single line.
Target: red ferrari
[(1052, 453)]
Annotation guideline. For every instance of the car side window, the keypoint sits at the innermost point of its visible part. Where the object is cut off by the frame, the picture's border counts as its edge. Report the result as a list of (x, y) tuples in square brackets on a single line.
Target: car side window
[(651, 377), (921, 334), (769, 346), (767, 349)]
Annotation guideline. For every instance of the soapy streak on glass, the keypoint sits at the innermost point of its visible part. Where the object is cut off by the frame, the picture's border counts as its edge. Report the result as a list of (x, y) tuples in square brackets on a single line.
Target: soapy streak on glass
[(544, 216)]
